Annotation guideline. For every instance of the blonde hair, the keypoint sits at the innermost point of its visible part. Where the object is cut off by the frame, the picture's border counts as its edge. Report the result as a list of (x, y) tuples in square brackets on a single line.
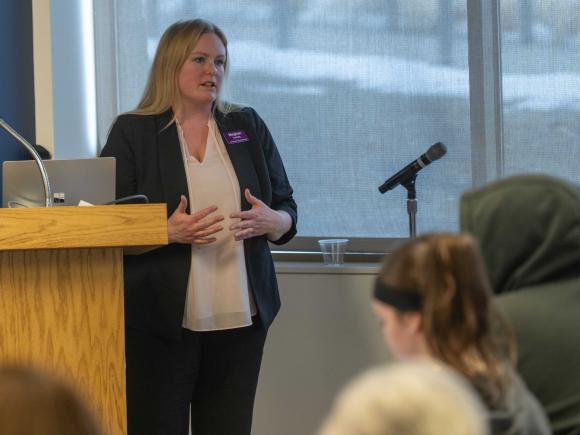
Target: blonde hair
[(33, 402), (407, 399), (460, 322), (175, 46)]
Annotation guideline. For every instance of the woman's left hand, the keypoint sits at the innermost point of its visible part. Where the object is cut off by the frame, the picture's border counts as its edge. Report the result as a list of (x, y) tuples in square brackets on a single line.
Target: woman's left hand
[(260, 220)]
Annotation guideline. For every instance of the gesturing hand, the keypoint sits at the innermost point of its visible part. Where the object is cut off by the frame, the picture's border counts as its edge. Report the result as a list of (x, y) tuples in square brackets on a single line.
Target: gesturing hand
[(260, 220), (193, 228)]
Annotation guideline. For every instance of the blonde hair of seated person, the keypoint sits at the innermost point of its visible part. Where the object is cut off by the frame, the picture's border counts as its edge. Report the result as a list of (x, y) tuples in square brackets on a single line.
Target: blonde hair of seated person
[(416, 398), (33, 402)]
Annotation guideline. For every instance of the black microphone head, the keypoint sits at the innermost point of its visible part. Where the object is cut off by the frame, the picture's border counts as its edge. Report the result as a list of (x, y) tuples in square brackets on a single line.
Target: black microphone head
[(436, 151)]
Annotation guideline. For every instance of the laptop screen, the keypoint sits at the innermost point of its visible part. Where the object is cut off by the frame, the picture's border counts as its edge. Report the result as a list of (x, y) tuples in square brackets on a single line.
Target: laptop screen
[(91, 180)]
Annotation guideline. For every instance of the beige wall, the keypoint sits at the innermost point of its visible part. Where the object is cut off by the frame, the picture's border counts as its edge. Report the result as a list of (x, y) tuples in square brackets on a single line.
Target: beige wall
[(43, 73), (324, 335)]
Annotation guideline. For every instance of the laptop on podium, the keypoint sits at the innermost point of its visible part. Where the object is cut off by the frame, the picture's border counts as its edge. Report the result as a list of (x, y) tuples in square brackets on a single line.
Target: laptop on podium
[(91, 180)]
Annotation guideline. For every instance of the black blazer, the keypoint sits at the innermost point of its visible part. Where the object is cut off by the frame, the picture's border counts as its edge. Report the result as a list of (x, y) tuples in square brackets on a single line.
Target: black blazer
[(149, 161)]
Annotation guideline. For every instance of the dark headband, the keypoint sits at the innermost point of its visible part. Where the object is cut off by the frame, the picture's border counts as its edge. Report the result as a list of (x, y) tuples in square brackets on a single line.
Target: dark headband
[(400, 299)]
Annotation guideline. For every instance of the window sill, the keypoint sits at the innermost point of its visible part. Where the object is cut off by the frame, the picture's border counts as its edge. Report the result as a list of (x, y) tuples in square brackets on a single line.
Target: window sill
[(319, 268)]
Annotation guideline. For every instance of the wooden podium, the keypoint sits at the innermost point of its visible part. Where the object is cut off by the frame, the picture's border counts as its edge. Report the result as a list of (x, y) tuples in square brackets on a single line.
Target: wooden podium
[(61, 294)]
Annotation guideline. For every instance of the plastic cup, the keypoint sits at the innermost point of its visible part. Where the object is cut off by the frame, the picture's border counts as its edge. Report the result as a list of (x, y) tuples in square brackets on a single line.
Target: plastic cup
[(333, 251)]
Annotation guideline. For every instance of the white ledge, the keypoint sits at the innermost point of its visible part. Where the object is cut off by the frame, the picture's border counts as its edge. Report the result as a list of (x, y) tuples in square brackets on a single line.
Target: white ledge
[(318, 268)]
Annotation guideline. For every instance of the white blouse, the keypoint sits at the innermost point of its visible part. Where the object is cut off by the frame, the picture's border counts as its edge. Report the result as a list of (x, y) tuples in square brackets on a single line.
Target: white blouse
[(218, 295)]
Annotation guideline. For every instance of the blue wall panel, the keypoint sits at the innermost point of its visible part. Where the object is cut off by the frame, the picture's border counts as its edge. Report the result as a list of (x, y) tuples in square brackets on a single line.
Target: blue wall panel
[(16, 76)]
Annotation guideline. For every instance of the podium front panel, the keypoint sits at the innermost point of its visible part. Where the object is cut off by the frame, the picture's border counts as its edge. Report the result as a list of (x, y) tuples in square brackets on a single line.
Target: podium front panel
[(62, 310)]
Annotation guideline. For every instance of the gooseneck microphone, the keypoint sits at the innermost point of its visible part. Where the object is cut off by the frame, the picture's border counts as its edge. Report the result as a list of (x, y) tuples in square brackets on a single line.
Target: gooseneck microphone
[(37, 159), (435, 152)]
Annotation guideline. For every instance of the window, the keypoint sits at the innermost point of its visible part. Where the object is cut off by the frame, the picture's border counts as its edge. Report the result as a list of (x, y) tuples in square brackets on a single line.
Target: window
[(541, 87), (353, 90)]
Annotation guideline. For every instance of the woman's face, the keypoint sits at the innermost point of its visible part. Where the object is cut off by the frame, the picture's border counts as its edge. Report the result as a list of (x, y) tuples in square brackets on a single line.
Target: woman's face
[(200, 77), (401, 331)]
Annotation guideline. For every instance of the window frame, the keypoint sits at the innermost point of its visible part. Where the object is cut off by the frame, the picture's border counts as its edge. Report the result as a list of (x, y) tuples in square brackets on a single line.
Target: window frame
[(485, 102)]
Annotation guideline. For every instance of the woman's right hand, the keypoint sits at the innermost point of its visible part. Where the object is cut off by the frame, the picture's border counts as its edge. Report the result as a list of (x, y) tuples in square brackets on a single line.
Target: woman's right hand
[(196, 228)]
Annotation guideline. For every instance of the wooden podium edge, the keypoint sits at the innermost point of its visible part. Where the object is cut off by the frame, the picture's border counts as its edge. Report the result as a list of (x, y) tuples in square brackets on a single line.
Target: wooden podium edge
[(83, 227)]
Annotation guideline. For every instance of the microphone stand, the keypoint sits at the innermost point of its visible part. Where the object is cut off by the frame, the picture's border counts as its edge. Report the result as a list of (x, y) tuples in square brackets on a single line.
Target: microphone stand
[(409, 184), (37, 159)]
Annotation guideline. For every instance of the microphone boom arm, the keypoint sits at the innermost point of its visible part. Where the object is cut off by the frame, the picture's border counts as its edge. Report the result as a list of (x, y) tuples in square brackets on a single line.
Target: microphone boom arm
[(37, 159)]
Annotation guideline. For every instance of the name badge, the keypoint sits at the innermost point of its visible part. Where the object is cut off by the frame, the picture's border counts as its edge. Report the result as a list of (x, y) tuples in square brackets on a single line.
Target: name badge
[(237, 136)]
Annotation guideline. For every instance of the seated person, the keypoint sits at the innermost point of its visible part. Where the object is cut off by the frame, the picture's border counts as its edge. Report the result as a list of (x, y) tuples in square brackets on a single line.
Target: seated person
[(433, 299), (407, 399), (528, 228)]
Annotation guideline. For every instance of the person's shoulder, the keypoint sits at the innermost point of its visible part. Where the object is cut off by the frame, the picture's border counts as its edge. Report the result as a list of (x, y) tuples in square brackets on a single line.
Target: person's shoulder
[(131, 118), (251, 113), (137, 123), (239, 112)]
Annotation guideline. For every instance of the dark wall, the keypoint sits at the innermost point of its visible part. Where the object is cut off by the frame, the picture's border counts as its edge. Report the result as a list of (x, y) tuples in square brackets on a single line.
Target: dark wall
[(16, 76)]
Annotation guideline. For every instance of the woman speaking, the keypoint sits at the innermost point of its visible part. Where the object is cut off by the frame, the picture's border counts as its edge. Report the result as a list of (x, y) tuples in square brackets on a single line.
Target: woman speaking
[(197, 310)]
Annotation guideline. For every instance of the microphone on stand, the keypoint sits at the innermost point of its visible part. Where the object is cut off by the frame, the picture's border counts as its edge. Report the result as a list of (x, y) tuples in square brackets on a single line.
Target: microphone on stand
[(37, 159), (435, 152)]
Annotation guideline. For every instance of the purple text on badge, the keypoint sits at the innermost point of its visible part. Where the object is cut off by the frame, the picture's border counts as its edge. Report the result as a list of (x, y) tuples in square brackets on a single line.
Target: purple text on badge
[(237, 136)]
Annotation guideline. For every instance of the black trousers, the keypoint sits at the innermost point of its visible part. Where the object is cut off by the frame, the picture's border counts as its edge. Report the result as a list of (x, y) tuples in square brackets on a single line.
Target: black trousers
[(215, 372)]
